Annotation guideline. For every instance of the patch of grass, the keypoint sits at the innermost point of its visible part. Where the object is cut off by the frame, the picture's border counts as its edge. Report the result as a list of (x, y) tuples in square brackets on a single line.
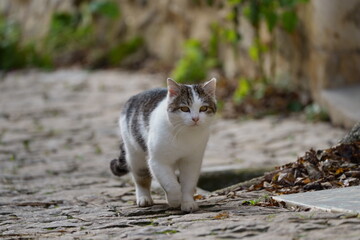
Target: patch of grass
[(253, 202)]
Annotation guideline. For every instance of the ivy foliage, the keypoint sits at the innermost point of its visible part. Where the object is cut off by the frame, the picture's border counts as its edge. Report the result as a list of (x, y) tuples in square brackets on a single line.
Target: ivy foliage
[(275, 14)]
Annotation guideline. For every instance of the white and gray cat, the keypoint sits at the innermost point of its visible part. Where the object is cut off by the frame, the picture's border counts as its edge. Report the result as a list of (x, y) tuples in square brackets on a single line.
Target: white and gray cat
[(164, 130)]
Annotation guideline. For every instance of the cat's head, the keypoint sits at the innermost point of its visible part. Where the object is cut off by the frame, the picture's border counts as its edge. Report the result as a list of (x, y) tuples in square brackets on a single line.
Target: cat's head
[(191, 105)]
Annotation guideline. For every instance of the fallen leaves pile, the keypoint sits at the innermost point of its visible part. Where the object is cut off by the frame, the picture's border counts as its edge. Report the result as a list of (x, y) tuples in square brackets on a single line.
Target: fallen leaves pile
[(338, 166)]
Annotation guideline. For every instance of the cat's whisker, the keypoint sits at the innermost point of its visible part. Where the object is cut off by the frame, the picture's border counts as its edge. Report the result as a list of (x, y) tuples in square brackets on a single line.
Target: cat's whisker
[(178, 132), (178, 128)]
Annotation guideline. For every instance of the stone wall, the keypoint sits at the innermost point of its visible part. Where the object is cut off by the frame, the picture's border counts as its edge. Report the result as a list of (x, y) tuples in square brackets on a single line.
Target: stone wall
[(322, 53), (334, 37), (33, 15)]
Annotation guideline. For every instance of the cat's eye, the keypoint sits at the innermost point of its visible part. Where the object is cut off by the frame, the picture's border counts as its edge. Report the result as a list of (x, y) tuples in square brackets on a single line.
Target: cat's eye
[(204, 108), (185, 109)]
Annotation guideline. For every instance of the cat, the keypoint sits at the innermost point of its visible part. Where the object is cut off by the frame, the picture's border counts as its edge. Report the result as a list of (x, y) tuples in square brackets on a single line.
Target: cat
[(164, 130)]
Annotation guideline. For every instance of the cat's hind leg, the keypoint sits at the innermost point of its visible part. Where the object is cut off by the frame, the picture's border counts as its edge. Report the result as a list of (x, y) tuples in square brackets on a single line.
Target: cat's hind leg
[(141, 176)]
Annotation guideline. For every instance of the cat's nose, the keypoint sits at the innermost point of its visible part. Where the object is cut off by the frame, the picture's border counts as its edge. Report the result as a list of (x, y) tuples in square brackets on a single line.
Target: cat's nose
[(195, 119)]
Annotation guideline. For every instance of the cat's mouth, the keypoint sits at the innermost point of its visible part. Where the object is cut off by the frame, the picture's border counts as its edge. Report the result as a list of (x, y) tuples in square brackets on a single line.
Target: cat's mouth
[(195, 124)]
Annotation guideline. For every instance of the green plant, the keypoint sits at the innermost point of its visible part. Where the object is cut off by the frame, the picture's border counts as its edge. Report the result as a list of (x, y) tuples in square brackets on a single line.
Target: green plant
[(192, 66), (14, 54), (256, 202), (198, 59), (73, 37), (275, 13), (251, 202), (10, 37), (243, 89), (68, 32), (124, 49), (105, 8), (212, 58), (314, 112), (247, 87)]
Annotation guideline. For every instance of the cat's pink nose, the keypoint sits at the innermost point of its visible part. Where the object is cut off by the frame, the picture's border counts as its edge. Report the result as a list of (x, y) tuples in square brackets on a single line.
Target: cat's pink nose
[(195, 119)]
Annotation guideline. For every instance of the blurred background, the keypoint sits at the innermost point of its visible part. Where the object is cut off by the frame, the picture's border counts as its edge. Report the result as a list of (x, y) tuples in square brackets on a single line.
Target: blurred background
[(271, 56)]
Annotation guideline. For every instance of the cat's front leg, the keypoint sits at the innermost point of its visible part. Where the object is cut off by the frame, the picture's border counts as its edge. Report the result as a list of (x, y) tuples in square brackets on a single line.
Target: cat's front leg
[(189, 175), (166, 176)]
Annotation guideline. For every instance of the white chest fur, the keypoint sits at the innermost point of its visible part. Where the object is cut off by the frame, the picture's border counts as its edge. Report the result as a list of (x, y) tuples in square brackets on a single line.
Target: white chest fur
[(178, 141)]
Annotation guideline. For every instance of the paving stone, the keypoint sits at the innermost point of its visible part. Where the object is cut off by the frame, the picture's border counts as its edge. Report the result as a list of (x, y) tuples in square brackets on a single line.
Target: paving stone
[(58, 184), (333, 200)]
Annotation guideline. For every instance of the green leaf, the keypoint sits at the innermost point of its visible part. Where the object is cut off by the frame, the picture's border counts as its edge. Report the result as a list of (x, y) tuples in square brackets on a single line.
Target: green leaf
[(242, 90), (271, 20), (291, 4), (231, 16), (231, 35), (124, 49), (105, 8), (214, 41), (314, 112), (287, 3), (289, 20), (254, 52), (192, 66), (234, 2), (251, 12)]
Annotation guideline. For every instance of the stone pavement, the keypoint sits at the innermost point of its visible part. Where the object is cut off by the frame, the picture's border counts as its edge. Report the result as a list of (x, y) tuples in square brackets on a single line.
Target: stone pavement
[(58, 134), (331, 200)]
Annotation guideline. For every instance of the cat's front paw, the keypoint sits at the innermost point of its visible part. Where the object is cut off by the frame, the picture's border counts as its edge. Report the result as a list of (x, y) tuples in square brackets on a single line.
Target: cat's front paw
[(189, 206), (175, 203), (144, 201), (174, 199)]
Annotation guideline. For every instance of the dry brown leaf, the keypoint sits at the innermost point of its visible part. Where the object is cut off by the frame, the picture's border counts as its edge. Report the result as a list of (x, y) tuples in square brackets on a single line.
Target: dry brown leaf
[(222, 215), (337, 166), (306, 181), (199, 197), (339, 171)]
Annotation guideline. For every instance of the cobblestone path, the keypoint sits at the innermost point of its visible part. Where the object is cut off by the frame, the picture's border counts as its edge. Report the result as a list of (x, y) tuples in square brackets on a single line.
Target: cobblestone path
[(58, 133)]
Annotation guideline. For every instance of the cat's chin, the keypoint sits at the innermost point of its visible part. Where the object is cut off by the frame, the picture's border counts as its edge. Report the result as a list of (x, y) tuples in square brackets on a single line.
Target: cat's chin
[(196, 125)]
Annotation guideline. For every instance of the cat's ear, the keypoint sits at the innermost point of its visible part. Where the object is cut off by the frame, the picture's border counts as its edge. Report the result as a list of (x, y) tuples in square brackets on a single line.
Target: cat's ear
[(173, 88), (210, 87)]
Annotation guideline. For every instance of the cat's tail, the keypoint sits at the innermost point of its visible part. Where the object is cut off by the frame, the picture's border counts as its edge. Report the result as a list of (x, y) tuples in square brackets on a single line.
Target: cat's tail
[(119, 166)]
